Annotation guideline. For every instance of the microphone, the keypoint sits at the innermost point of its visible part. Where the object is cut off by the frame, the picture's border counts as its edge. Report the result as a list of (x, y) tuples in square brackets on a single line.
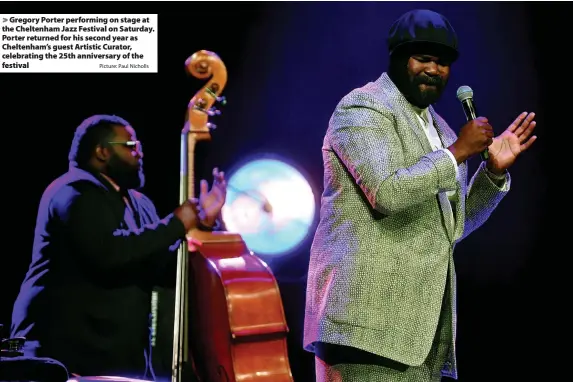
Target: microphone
[(465, 95)]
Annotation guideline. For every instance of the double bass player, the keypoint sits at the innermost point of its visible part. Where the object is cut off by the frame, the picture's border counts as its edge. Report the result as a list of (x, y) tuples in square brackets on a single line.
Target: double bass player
[(99, 249)]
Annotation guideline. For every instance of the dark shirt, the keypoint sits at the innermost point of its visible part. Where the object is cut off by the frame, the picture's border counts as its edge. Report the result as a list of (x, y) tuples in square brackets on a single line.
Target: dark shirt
[(85, 300)]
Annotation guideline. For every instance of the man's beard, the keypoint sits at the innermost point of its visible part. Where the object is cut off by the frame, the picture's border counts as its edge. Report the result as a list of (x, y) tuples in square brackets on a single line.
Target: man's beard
[(428, 96), (125, 175), (410, 87)]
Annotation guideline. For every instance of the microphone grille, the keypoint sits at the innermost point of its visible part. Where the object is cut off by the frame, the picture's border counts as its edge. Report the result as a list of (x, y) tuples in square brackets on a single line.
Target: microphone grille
[(464, 92)]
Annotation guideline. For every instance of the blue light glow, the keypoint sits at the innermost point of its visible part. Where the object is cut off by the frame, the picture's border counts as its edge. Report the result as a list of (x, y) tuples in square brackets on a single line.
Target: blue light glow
[(270, 204)]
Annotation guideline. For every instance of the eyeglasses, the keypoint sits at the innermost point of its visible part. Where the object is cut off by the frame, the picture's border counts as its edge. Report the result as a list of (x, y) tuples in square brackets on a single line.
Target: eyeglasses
[(135, 145)]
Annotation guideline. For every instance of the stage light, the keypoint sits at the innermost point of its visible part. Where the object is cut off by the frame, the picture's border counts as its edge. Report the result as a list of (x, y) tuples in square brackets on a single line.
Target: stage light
[(271, 205)]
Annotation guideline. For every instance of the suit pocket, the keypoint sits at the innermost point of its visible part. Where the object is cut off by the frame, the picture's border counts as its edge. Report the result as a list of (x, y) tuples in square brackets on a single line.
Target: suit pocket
[(357, 292)]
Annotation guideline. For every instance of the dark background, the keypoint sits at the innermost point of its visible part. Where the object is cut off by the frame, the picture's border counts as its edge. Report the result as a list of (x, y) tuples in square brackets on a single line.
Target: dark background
[(288, 65)]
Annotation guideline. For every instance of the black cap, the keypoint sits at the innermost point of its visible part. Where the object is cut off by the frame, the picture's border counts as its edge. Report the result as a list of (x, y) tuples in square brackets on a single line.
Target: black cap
[(422, 29)]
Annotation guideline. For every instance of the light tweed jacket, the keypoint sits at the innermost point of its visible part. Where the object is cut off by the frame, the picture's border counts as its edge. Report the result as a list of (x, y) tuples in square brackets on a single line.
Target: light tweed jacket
[(383, 247)]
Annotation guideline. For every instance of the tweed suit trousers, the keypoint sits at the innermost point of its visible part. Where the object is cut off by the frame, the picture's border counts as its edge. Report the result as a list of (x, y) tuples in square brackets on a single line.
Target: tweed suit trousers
[(429, 371)]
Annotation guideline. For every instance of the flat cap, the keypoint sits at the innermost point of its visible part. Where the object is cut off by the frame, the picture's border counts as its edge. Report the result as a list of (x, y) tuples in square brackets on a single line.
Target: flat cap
[(423, 29)]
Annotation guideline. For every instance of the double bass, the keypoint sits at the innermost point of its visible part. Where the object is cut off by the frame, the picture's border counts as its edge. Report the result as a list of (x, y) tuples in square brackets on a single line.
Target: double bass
[(229, 322)]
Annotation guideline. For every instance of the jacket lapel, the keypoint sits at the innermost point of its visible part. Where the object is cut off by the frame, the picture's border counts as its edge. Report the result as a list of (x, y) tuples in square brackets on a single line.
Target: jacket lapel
[(415, 125), (395, 95), (448, 137)]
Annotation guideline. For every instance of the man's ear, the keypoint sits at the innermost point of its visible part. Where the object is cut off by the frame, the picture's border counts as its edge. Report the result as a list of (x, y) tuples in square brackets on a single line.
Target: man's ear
[(101, 153)]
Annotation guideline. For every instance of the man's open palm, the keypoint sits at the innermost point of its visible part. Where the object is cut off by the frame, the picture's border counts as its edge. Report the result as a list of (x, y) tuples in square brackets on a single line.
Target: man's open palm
[(212, 201)]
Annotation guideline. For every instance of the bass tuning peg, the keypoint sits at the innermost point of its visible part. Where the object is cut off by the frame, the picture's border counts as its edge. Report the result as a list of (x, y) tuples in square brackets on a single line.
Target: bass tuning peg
[(213, 112), (222, 100)]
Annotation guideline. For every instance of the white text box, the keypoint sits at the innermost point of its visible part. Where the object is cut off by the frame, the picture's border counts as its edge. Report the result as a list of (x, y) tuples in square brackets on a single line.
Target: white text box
[(73, 43)]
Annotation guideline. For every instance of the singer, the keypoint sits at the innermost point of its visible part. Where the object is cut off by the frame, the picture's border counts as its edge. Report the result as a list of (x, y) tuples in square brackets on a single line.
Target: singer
[(99, 248), (380, 302)]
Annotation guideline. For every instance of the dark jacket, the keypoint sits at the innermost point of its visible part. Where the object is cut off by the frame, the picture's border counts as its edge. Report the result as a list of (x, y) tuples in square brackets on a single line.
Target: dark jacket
[(85, 300)]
